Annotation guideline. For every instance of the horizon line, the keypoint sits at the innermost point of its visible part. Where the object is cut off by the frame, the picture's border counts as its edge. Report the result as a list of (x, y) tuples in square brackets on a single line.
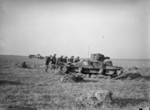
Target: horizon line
[(84, 57)]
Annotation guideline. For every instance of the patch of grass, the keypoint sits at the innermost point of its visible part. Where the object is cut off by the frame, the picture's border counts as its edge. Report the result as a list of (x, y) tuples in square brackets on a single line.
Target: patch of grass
[(37, 89)]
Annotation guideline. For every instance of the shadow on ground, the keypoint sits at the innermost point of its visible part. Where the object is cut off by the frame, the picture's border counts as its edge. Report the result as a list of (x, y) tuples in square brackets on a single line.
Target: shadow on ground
[(134, 76), (123, 102), (17, 108), (90, 80), (146, 78), (3, 82)]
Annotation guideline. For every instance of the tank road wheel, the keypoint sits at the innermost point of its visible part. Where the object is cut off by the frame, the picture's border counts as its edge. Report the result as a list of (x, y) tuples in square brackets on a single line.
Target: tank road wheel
[(110, 74), (100, 71), (80, 70), (64, 69), (119, 72)]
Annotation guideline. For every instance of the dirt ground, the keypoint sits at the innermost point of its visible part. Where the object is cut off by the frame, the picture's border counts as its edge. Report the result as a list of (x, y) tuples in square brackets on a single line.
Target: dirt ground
[(35, 89)]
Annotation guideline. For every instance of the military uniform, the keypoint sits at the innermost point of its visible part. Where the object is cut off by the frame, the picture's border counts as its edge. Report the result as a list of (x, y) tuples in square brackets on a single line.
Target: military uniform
[(48, 60), (54, 61)]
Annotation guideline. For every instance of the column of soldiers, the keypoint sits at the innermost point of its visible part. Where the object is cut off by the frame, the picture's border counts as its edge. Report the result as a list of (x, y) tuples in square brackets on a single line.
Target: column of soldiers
[(58, 62)]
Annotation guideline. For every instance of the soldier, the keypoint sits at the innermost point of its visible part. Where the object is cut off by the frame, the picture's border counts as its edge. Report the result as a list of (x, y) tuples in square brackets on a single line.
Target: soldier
[(71, 60), (65, 60), (77, 59), (54, 61), (60, 62), (48, 60)]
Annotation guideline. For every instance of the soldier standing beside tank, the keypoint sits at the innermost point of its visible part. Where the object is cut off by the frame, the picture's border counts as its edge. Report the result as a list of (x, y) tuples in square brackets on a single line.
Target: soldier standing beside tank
[(54, 61), (65, 60), (71, 60), (48, 60), (77, 59), (60, 62)]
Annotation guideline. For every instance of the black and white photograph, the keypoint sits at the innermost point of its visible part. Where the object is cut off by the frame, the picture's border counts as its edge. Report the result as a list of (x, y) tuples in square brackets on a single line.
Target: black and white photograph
[(74, 54)]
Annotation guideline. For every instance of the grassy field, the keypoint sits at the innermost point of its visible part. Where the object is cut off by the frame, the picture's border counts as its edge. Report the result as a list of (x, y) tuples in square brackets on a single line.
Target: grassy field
[(35, 89)]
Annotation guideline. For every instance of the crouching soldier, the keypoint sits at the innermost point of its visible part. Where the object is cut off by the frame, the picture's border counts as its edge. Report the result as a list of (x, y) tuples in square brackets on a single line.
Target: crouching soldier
[(48, 60)]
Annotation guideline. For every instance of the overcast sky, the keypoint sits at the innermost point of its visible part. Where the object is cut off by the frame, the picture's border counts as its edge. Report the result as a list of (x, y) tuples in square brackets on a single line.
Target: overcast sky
[(115, 28)]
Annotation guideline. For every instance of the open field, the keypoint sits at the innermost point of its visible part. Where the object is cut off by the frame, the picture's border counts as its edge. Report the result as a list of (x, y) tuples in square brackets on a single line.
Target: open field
[(35, 89)]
